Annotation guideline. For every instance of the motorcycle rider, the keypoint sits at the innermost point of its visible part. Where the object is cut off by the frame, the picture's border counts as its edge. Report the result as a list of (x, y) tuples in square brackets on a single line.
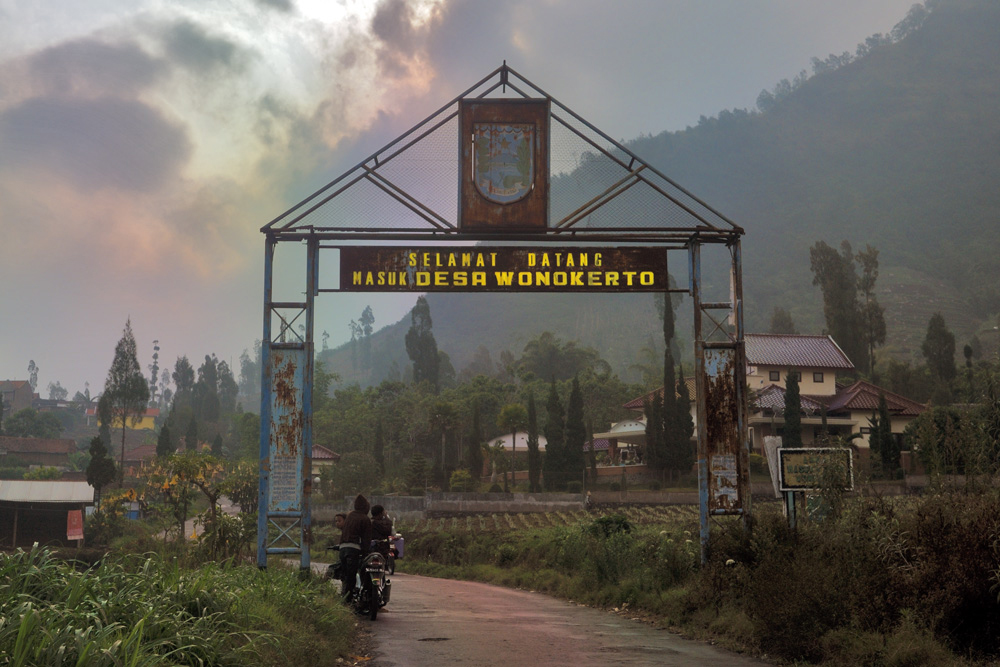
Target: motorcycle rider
[(355, 543), (381, 530)]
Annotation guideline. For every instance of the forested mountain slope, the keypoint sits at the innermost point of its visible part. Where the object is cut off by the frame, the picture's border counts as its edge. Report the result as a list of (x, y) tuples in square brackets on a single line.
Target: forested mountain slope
[(898, 147)]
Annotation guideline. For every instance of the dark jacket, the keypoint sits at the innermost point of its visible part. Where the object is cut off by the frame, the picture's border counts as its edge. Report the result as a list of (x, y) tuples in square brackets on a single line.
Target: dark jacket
[(381, 530), (358, 527)]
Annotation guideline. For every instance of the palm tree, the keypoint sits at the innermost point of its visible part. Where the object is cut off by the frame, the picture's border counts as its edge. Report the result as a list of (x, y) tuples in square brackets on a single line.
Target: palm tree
[(513, 418), (495, 454)]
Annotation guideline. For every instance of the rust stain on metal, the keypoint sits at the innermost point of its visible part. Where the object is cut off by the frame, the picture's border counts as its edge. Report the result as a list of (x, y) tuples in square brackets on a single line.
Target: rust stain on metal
[(287, 424), (721, 425), (477, 211)]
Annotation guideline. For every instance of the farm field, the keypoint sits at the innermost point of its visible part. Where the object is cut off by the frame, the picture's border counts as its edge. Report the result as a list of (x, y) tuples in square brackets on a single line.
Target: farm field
[(672, 517)]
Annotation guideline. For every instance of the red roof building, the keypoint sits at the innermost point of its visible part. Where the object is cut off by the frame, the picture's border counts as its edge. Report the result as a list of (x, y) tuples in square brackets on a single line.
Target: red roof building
[(38, 451), (16, 395)]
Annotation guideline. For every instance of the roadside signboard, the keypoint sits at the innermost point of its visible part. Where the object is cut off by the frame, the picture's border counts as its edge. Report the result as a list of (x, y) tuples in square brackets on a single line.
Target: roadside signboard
[(803, 469), (74, 525)]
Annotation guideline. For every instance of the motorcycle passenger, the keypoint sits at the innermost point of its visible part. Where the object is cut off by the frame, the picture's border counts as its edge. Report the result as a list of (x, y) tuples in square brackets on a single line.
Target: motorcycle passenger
[(381, 530), (355, 542)]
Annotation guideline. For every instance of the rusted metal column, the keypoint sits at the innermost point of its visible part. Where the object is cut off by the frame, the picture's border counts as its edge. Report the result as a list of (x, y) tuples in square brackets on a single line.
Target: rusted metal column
[(265, 406), (742, 418), (694, 284), (312, 269)]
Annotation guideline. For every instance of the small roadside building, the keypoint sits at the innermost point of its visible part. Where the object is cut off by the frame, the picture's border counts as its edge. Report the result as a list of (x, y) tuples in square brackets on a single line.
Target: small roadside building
[(16, 395), (38, 451), (48, 512), (816, 361)]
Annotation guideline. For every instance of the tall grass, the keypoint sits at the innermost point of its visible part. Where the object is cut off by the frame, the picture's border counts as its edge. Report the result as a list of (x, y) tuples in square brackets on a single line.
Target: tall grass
[(139, 611), (884, 582)]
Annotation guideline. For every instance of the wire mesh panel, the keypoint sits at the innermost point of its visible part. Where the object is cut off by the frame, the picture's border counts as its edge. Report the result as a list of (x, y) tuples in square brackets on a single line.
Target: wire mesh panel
[(413, 183)]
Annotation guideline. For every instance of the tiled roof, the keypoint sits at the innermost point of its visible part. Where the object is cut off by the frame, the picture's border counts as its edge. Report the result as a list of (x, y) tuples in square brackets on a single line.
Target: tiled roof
[(636, 403), (772, 397), (13, 384), (864, 395), (141, 453), (795, 351), (37, 445), (600, 445), (321, 453)]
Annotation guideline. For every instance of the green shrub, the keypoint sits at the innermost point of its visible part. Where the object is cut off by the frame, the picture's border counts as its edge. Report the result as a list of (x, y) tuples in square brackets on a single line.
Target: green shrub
[(506, 554), (612, 524), (461, 481), (575, 486)]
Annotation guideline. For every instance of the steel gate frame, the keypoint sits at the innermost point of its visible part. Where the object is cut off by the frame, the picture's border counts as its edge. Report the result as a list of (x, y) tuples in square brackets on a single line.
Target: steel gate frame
[(286, 412)]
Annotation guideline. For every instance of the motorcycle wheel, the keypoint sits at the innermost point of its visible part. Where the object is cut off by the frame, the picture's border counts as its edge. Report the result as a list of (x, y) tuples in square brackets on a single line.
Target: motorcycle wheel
[(373, 605), (390, 565)]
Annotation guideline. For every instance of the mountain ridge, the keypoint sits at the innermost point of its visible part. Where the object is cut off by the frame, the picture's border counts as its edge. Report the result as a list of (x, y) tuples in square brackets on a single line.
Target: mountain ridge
[(899, 149)]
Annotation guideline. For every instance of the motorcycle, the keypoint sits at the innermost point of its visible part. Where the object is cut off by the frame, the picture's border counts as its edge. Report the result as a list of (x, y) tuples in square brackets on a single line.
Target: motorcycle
[(391, 549), (372, 587)]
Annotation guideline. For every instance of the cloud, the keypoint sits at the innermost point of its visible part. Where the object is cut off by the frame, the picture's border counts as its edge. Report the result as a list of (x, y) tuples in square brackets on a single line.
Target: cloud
[(280, 5), (94, 143), (91, 67), (193, 47)]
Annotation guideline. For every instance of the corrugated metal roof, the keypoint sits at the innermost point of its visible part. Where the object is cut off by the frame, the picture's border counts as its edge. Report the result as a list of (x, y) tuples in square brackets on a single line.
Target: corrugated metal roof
[(45, 491), (795, 351)]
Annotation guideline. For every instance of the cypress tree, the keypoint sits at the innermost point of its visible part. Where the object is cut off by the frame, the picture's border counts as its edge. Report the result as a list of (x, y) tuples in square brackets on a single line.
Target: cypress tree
[(474, 455), (415, 475), (126, 388), (378, 451), (191, 437), (653, 409), (592, 455), (421, 346), (164, 445), (101, 469), (534, 456), (889, 446), (552, 464), (576, 435), (683, 453)]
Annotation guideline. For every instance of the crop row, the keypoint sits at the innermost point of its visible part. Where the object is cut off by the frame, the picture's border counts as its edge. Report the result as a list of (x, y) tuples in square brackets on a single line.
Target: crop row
[(670, 516)]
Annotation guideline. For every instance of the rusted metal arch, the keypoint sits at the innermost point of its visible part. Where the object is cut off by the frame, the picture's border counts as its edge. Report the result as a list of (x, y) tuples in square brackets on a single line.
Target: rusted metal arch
[(707, 227), (708, 219)]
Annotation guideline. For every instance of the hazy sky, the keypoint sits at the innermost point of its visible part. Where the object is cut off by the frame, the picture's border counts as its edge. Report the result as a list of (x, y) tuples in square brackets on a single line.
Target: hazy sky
[(143, 143)]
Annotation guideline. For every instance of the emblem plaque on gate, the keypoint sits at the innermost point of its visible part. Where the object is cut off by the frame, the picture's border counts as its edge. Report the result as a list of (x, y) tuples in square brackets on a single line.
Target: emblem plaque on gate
[(503, 160), (504, 164)]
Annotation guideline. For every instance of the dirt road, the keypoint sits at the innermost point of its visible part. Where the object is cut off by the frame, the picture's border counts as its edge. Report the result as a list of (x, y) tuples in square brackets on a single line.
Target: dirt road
[(442, 622)]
